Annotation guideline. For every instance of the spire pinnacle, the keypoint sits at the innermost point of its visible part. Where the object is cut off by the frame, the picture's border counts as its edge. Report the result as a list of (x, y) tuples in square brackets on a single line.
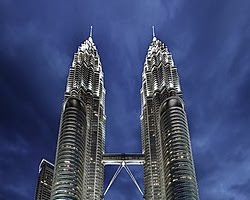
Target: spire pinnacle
[(91, 31), (153, 31)]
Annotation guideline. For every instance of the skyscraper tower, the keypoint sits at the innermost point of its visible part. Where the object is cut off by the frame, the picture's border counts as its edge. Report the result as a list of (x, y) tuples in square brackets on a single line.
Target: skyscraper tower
[(44, 183), (166, 149), (168, 169), (79, 172)]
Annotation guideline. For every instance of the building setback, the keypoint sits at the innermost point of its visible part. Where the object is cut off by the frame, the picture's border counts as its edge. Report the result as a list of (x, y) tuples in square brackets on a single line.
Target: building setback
[(44, 183), (168, 169)]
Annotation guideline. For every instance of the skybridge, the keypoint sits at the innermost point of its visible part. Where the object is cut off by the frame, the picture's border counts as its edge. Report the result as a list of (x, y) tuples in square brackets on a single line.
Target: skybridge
[(123, 160), (118, 158)]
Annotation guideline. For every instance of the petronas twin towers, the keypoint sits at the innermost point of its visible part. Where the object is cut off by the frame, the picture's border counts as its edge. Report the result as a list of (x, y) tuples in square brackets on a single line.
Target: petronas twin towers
[(166, 149)]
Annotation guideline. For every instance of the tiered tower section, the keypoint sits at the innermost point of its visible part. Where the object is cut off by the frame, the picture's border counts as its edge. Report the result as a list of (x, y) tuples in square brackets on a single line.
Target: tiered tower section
[(168, 169), (79, 172)]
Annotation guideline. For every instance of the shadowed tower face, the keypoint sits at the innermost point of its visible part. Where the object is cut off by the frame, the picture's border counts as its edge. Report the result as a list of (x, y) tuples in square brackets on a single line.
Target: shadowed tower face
[(168, 169), (79, 171)]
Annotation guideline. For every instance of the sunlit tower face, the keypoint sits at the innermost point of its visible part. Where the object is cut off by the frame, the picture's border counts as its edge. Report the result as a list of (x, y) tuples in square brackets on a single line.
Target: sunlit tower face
[(168, 168)]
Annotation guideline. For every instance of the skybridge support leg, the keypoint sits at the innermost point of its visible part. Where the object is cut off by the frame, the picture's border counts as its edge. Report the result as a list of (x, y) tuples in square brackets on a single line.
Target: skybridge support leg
[(123, 165), (113, 178), (133, 178)]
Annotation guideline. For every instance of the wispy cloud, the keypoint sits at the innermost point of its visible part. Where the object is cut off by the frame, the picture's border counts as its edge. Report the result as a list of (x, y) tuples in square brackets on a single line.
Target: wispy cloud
[(210, 45)]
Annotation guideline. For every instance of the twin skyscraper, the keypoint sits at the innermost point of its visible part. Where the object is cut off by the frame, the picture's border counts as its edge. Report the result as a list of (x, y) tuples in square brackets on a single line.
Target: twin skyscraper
[(166, 150)]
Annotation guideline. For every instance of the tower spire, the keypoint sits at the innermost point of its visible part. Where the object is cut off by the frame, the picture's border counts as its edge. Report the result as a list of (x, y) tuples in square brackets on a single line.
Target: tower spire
[(153, 31), (91, 31)]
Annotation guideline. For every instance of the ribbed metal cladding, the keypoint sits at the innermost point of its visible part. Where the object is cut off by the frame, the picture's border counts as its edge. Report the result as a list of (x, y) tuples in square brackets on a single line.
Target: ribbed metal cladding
[(168, 169), (69, 167), (178, 164), (79, 171), (150, 143)]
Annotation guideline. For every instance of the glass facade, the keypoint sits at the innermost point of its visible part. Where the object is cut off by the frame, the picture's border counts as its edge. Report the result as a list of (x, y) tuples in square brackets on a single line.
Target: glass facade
[(44, 183)]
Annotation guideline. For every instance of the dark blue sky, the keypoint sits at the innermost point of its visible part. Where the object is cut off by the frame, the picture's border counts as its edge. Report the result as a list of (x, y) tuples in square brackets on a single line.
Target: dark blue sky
[(210, 43)]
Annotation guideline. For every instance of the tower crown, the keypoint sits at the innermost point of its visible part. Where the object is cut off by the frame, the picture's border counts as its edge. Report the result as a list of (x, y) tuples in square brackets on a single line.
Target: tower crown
[(159, 72), (86, 70)]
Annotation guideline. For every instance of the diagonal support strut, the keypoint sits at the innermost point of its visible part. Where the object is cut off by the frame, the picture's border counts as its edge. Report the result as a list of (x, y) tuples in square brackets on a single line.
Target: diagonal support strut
[(123, 165), (113, 178), (133, 178)]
